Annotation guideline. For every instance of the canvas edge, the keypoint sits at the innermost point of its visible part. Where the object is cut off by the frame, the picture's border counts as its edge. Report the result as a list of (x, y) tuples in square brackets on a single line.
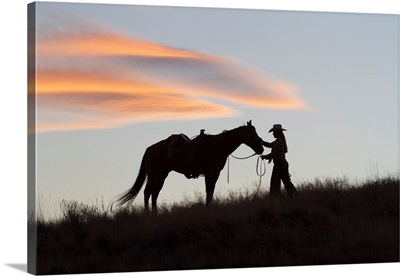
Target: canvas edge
[(31, 139)]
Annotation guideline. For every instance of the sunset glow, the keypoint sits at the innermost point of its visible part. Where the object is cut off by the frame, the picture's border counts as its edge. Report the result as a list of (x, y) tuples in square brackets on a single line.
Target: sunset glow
[(56, 82), (104, 79)]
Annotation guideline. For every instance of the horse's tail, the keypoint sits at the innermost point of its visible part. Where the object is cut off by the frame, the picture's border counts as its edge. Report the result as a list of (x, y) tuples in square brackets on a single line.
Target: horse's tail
[(130, 195)]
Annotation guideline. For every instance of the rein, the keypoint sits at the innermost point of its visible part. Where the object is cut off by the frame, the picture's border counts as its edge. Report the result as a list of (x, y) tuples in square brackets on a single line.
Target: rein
[(261, 168), (242, 158)]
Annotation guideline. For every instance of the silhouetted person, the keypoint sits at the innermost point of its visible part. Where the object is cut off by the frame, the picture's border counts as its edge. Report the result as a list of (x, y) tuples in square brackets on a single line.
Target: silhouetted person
[(281, 166)]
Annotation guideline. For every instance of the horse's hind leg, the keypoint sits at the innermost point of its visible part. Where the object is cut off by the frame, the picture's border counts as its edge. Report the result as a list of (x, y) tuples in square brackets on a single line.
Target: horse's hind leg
[(146, 202), (147, 193), (154, 209)]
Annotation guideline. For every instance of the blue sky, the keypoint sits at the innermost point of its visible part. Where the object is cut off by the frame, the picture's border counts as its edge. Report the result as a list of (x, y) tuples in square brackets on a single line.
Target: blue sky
[(331, 79)]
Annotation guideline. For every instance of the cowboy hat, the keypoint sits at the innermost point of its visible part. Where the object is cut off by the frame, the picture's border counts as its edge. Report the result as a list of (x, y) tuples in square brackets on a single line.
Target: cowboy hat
[(277, 127)]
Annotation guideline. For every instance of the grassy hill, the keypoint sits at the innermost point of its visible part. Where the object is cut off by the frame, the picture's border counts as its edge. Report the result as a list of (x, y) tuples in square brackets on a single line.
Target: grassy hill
[(330, 222)]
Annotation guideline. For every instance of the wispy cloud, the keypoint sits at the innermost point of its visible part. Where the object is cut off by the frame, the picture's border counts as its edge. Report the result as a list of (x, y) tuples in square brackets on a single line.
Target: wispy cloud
[(75, 100), (100, 79)]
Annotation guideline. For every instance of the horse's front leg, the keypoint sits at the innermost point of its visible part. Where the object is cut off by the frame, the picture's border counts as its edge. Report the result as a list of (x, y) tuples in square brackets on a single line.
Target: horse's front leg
[(158, 184), (210, 179)]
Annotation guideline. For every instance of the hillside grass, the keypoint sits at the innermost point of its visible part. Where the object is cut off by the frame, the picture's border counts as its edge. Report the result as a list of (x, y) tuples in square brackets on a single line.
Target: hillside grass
[(331, 221)]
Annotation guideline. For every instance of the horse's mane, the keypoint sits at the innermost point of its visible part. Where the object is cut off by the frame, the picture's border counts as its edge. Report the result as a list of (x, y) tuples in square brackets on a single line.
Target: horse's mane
[(226, 132)]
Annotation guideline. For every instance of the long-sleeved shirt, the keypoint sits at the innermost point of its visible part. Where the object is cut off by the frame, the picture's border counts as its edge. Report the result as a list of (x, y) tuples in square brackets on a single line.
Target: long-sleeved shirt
[(278, 149)]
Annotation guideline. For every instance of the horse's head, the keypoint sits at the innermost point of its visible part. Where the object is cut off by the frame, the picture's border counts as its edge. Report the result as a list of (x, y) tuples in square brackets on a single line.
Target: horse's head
[(251, 138)]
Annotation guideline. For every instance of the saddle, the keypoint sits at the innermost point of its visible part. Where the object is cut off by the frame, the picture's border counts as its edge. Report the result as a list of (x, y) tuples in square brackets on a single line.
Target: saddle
[(187, 151)]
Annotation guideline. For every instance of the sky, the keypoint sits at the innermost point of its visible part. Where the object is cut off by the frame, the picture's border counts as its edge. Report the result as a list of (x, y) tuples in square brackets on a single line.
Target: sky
[(114, 79)]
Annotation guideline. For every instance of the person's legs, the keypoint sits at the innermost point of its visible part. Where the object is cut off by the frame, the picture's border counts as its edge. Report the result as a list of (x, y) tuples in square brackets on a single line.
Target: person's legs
[(285, 176), (275, 188)]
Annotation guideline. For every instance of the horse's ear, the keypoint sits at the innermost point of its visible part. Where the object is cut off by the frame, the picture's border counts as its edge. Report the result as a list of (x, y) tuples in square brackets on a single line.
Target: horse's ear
[(249, 123)]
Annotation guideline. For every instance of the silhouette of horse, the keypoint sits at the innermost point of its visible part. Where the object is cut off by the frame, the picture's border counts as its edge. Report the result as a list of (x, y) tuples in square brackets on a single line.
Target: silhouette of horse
[(157, 164)]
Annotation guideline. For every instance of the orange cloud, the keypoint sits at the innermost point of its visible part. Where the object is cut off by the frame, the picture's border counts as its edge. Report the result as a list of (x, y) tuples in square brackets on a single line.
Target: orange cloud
[(109, 110), (96, 79), (59, 81), (113, 44), (72, 100)]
